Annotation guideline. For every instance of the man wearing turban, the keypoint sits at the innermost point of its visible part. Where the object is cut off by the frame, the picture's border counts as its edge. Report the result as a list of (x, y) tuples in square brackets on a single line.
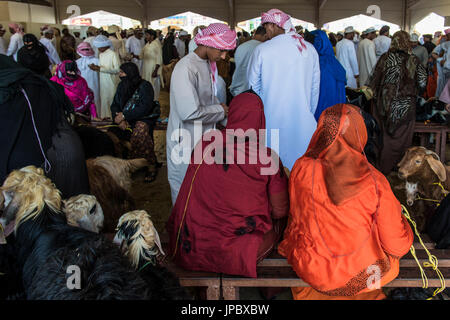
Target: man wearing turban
[(108, 68), (193, 97), (46, 40), (87, 57), (15, 42), (285, 72)]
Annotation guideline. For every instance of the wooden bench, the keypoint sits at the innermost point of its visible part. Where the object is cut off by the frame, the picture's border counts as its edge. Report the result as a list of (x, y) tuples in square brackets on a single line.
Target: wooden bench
[(274, 271), (207, 281), (441, 136)]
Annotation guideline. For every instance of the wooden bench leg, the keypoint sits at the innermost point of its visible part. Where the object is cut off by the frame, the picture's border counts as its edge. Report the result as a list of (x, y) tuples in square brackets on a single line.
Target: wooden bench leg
[(423, 140), (437, 149), (443, 145), (213, 292), (230, 293)]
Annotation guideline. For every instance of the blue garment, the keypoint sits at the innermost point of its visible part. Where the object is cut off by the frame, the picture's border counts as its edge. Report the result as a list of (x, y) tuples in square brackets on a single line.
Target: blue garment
[(332, 74)]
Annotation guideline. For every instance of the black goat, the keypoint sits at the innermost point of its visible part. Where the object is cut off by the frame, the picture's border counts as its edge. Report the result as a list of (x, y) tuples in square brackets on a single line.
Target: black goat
[(45, 247), (140, 242)]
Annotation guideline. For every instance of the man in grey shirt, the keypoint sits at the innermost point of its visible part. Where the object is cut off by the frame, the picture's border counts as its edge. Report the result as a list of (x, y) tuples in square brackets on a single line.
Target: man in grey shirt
[(419, 51), (242, 56)]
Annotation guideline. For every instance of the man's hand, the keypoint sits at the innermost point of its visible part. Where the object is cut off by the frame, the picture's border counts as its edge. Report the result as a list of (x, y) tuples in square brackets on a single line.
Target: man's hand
[(94, 67), (447, 107), (225, 109), (119, 118), (123, 125)]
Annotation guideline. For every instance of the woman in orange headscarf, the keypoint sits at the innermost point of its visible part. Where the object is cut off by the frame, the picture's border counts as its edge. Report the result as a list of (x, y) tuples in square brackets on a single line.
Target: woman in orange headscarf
[(345, 229)]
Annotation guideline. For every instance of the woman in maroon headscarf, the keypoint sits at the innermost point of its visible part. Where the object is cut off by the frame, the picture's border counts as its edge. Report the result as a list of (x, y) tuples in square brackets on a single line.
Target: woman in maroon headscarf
[(229, 216)]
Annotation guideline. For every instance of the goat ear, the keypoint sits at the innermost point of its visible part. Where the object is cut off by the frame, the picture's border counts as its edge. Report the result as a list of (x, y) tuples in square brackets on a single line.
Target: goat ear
[(437, 167), (432, 153)]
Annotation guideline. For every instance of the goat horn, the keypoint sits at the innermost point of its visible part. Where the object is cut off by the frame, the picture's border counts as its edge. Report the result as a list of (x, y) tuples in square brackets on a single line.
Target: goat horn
[(429, 152)]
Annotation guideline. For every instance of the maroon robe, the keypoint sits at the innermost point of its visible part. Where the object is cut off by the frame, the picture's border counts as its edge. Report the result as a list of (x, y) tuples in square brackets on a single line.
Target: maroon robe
[(222, 220)]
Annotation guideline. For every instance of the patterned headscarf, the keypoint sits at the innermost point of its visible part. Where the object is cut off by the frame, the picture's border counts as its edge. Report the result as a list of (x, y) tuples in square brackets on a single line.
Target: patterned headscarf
[(218, 36), (61, 72), (46, 29), (283, 20), (84, 49), (400, 42), (18, 28)]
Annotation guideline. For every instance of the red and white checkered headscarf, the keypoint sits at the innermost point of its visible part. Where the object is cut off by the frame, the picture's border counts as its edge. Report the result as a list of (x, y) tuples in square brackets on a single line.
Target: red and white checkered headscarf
[(283, 20), (218, 36), (84, 49), (18, 28)]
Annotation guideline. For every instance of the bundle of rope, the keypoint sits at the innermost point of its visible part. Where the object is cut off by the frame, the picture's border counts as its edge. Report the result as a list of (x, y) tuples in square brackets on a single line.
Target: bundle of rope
[(432, 259)]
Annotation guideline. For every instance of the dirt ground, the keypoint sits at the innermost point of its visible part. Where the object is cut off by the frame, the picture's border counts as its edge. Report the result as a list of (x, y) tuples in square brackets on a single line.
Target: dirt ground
[(155, 197)]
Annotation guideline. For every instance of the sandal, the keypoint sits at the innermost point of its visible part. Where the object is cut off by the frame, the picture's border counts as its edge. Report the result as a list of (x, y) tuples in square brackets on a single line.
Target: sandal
[(150, 176)]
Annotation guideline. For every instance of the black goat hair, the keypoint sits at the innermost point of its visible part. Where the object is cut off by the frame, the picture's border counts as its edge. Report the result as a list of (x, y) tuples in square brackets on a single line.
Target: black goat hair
[(11, 287), (46, 246)]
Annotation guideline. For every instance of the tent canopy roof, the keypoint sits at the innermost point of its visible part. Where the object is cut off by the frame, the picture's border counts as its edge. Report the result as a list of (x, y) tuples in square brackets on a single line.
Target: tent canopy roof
[(405, 13)]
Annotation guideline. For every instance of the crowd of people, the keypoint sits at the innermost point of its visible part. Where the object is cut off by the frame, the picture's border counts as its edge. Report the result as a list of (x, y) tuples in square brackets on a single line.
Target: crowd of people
[(334, 212)]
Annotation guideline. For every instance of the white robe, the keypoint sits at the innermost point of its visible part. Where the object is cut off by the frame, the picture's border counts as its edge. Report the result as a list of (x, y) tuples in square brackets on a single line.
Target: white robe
[(221, 87), (91, 77), (382, 45), (2, 46), (192, 99), (366, 60), (346, 55), (15, 43), (242, 56), (90, 40), (192, 46), (134, 45), (151, 55), (181, 47), (51, 51), (109, 63), (117, 46), (442, 70), (288, 82)]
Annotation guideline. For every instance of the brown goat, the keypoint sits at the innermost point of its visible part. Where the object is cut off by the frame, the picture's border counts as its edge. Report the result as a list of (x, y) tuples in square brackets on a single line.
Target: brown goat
[(422, 171), (110, 183), (424, 167)]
